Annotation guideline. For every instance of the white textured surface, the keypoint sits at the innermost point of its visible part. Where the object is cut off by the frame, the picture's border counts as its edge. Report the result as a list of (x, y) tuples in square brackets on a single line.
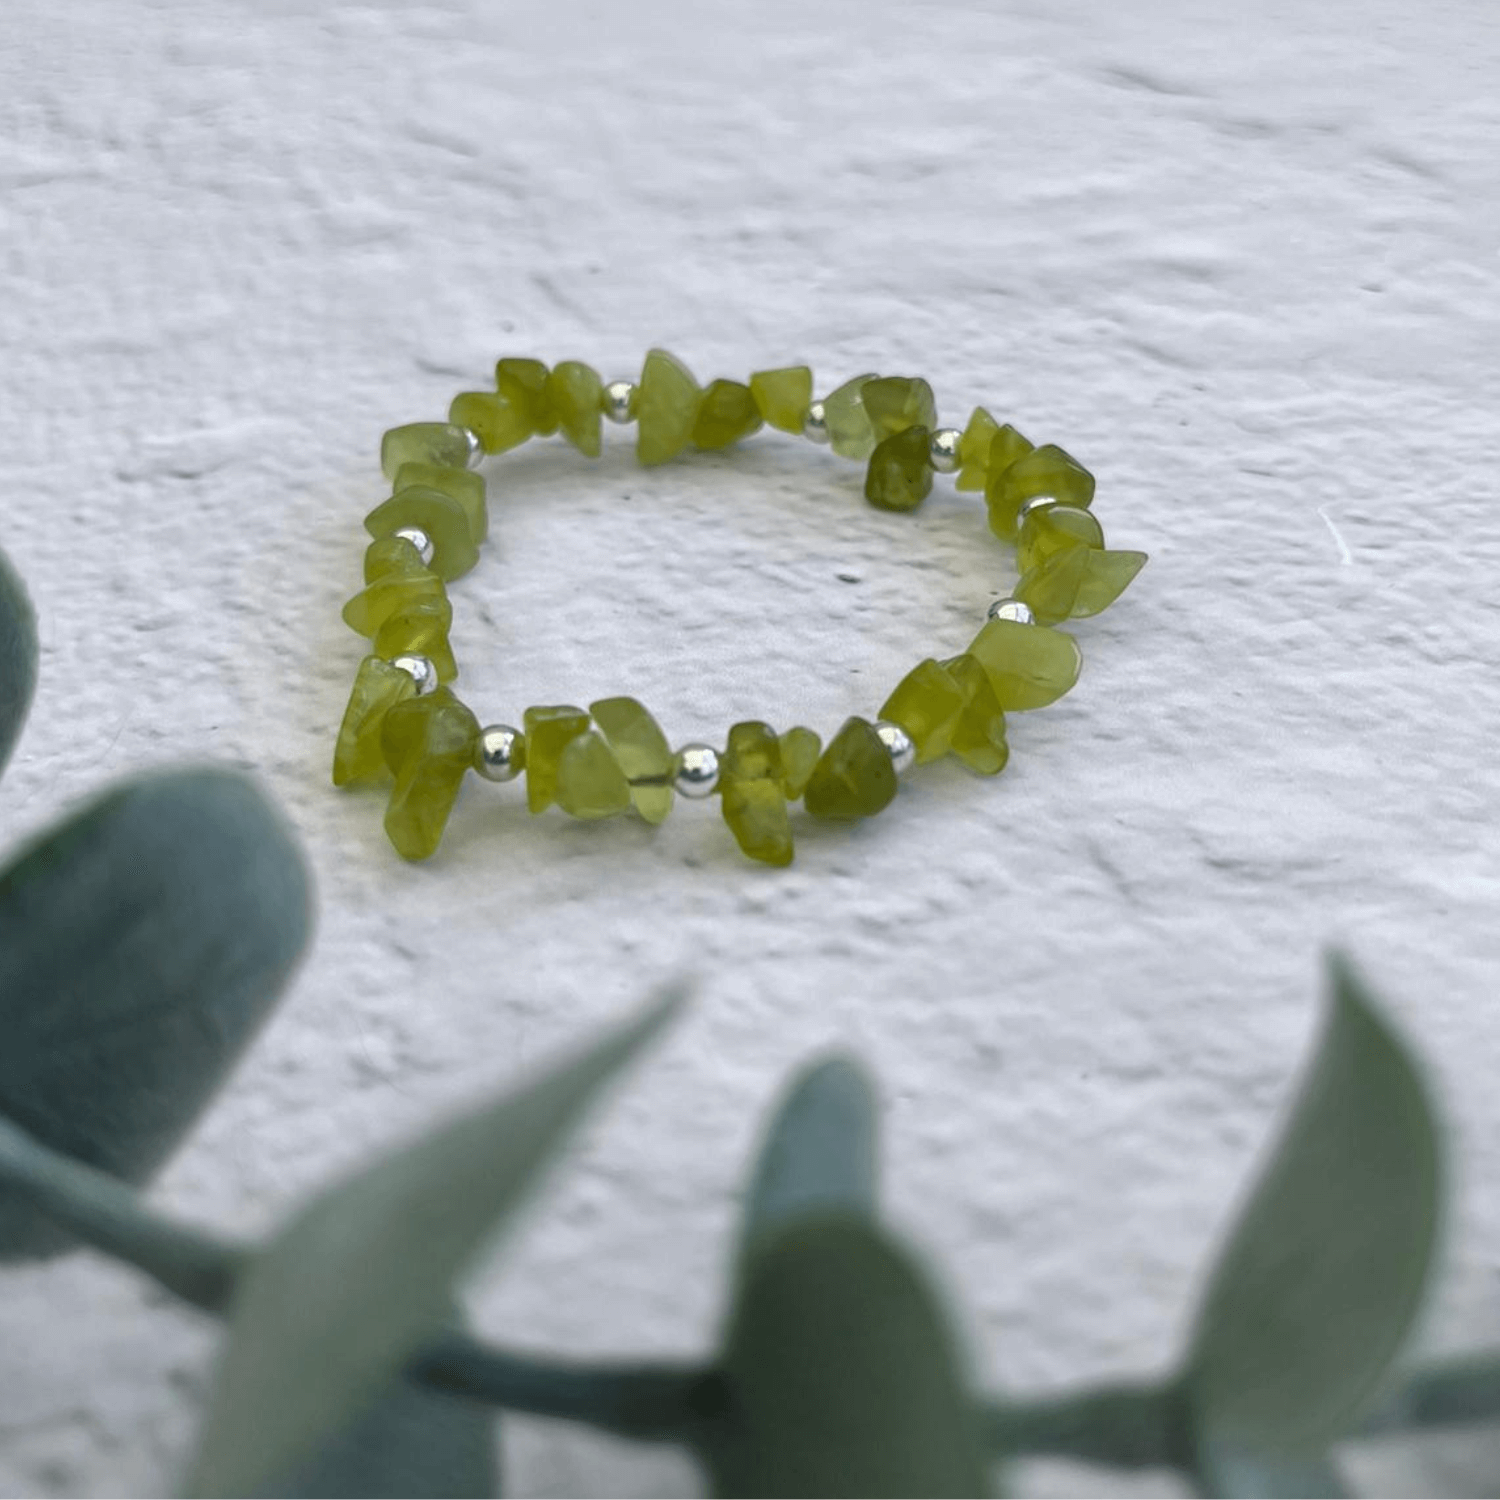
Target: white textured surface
[(1244, 261)]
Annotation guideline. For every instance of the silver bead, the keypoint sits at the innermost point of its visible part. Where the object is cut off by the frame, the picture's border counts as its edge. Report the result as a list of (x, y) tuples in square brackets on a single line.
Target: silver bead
[(419, 539), (476, 448), (1011, 609), (898, 742), (942, 453), (697, 770), (1037, 502), (421, 671), (500, 752), (618, 401), (815, 423)]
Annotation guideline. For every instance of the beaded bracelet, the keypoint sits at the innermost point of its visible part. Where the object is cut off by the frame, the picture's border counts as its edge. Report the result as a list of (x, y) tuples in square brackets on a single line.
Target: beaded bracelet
[(403, 719)]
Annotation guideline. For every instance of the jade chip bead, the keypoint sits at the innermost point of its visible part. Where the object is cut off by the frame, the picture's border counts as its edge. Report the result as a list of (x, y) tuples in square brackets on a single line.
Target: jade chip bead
[(896, 402), (783, 396), (666, 408), (900, 476), (854, 777)]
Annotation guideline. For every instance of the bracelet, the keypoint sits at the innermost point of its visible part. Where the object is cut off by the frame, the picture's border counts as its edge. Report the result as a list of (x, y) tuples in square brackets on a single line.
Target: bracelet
[(404, 719)]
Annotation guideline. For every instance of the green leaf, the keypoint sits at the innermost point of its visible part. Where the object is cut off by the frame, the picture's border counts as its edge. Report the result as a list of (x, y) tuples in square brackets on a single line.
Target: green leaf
[(360, 1279), (1324, 1272), (819, 1151), (411, 1440), (145, 942), (17, 657), (841, 1374), (1227, 1473)]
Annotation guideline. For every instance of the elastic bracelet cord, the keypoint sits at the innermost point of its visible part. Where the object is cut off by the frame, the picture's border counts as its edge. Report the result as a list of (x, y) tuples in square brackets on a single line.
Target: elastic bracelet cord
[(405, 721)]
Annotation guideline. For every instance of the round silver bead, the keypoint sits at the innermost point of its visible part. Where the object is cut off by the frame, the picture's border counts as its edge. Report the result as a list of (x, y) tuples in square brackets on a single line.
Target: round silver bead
[(419, 539), (1037, 502), (697, 770), (815, 423), (476, 448), (618, 401), (1011, 609), (500, 752), (898, 742), (421, 671), (942, 453)]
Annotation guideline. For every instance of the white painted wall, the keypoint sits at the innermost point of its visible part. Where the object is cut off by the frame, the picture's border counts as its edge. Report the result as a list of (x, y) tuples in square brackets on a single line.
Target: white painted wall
[(1243, 261)]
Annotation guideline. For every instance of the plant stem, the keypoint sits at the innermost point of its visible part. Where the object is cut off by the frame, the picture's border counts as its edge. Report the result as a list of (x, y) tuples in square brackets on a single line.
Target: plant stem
[(652, 1402), (1128, 1426), (1134, 1426), (108, 1214), (1456, 1394)]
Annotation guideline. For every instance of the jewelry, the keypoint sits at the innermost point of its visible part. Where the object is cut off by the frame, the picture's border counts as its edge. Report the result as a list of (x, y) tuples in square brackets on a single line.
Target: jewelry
[(403, 717)]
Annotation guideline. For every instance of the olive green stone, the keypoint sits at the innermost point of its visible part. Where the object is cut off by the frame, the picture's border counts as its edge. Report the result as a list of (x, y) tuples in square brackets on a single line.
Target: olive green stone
[(854, 777), (899, 476), (574, 392), (979, 732), (419, 629), (590, 782), (440, 516), (751, 795), (642, 751), (850, 431), (1051, 588), (726, 414), (1042, 471), (757, 817), (392, 554), (378, 687), (800, 749), (399, 587), (429, 743), (926, 703), (464, 485), (974, 450), (548, 730), (896, 402), (666, 408), (1055, 528), (1029, 666), (783, 396), (424, 443), (1109, 575), (751, 753), (500, 424), (523, 382)]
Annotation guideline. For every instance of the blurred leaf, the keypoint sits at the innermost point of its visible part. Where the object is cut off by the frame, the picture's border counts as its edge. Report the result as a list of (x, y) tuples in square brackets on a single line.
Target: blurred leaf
[(411, 1440), (17, 657), (1324, 1272), (841, 1374), (356, 1282), (1225, 1473), (818, 1153), (145, 942)]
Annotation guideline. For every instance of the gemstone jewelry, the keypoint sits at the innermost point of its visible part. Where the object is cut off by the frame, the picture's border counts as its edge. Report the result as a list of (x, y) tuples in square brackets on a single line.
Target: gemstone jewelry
[(404, 719)]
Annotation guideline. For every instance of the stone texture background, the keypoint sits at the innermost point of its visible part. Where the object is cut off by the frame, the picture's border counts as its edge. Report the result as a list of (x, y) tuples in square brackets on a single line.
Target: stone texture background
[(1243, 261)]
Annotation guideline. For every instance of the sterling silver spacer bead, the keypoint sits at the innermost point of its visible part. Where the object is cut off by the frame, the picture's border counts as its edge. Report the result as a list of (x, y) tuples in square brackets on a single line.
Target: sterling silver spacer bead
[(419, 539), (421, 671), (815, 423), (943, 452), (618, 401), (1037, 502), (500, 752), (697, 770), (1011, 609), (476, 448), (898, 742)]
